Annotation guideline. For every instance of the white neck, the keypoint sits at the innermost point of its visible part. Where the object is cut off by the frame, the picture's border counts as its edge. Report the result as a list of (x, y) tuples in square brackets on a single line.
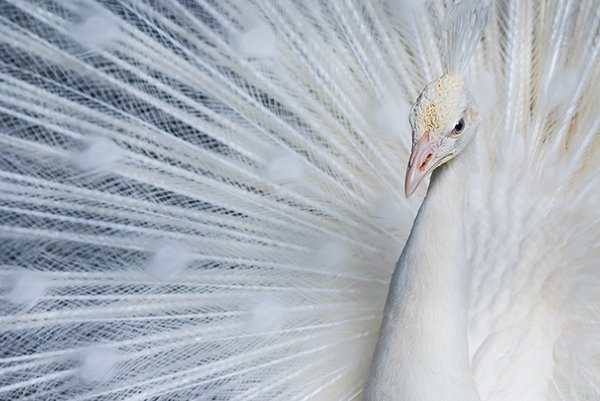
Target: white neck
[(422, 352)]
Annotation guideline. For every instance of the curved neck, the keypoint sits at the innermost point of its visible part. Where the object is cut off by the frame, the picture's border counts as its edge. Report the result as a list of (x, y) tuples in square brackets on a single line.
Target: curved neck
[(422, 352)]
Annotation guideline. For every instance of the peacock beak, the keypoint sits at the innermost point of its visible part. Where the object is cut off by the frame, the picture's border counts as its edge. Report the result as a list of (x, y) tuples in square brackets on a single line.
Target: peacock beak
[(421, 162)]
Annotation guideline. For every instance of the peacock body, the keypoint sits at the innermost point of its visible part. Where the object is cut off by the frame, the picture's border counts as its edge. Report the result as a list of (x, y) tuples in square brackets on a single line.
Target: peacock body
[(203, 200)]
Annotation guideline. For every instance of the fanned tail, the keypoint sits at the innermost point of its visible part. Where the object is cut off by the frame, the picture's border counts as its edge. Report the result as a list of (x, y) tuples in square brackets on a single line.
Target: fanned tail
[(202, 200), (197, 199)]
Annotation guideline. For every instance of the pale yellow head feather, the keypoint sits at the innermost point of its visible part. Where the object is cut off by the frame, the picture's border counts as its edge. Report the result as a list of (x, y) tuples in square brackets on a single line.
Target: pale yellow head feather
[(442, 120), (439, 107)]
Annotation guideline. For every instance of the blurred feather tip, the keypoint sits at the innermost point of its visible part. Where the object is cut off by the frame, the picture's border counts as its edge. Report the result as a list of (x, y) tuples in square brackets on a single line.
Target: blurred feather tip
[(257, 41), (99, 154), (283, 169), (267, 313), (27, 287), (95, 28), (169, 259), (98, 363), (388, 118), (331, 254)]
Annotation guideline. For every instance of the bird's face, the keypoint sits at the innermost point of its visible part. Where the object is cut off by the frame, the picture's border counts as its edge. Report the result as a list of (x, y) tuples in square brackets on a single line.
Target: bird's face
[(442, 122)]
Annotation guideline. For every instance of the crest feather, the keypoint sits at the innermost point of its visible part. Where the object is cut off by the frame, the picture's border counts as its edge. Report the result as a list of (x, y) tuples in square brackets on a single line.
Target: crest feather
[(460, 32)]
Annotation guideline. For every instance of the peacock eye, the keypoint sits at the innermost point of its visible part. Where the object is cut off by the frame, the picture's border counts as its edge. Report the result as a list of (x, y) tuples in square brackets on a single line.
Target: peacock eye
[(459, 126)]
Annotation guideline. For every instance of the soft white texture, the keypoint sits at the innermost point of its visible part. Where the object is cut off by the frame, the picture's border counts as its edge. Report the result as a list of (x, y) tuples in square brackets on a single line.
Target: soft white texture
[(27, 287), (422, 353), (283, 169), (99, 154), (564, 87), (332, 255), (198, 121), (258, 40), (267, 314), (170, 259), (388, 117), (482, 87), (98, 363), (96, 28), (389, 213)]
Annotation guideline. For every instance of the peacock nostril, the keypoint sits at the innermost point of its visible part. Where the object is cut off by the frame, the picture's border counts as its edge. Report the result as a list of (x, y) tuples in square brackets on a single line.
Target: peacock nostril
[(424, 164)]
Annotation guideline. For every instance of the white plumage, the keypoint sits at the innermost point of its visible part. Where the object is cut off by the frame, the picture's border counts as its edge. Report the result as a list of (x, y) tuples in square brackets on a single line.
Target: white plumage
[(203, 201)]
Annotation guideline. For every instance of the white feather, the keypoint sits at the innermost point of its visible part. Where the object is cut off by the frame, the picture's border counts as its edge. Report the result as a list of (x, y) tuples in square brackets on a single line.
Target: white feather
[(388, 117), (96, 28), (257, 41), (283, 168), (170, 258), (99, 154), (267, 314), (27, 288), (241, 237), (98, 364)]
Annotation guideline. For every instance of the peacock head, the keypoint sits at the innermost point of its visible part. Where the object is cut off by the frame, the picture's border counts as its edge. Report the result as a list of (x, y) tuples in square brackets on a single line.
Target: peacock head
[(442, 122)]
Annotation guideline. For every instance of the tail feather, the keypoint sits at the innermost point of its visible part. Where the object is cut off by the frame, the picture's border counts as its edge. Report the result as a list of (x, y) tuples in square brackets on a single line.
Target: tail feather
[(202, 199)]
